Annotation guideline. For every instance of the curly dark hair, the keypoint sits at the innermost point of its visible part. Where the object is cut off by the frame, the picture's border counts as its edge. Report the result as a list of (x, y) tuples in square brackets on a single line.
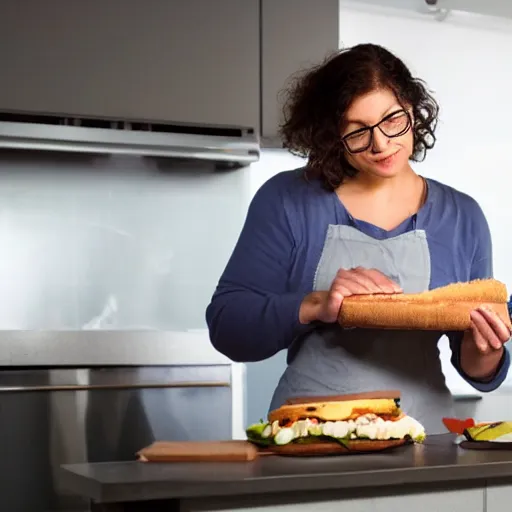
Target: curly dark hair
[(317, 99)]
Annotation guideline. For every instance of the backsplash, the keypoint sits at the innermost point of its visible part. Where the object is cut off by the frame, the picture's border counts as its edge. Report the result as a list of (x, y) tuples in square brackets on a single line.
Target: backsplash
[(113, 242)]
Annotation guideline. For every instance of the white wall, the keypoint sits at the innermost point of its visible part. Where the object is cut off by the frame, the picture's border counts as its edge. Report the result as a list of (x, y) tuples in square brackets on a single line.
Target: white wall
[(272, 161), (465, 61)]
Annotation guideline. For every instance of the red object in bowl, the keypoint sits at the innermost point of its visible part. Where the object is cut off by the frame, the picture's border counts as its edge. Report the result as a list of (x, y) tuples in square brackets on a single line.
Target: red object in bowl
[(456, 426)]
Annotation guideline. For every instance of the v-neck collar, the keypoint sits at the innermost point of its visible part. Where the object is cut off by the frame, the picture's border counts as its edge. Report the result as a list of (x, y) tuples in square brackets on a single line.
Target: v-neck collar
[(411, 223)]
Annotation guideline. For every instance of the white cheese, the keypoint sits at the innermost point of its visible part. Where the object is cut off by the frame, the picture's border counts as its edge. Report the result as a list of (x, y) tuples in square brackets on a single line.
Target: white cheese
[(368, 426), (284, 436)]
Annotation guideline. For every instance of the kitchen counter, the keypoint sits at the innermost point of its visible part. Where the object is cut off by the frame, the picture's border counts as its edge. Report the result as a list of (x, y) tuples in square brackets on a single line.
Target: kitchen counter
[(435, 476)]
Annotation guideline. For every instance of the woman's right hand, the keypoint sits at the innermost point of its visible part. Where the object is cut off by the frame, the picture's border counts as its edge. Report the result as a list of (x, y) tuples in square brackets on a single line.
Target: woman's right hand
[(325, 306)]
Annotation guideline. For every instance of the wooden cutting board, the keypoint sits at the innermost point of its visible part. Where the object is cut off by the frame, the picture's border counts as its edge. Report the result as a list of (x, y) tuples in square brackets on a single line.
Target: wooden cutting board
[(199, 451)]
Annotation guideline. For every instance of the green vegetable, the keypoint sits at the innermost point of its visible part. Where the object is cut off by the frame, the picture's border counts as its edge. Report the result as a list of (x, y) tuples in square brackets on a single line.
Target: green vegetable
[(254, 435), (260, 441), (256, 429), (488, 432), (420, 439), (315, 430)]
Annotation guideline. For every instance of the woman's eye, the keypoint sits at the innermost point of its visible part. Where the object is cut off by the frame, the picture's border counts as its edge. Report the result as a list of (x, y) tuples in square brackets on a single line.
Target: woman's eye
[(357, 136), (394, 120)]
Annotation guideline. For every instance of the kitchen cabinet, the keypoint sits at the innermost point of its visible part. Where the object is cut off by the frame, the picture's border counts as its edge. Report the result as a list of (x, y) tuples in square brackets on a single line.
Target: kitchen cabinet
[(193, 61), (295, 34), (499, 496), (457, 500), (218, 62)]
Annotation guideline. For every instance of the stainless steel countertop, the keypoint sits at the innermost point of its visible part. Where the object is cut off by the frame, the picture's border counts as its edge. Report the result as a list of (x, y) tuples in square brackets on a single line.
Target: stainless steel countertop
[(439, 461), (98, 348)]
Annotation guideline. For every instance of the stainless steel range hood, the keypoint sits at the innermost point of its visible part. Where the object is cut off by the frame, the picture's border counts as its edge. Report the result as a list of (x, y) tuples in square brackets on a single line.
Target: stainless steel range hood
[(230, 145)]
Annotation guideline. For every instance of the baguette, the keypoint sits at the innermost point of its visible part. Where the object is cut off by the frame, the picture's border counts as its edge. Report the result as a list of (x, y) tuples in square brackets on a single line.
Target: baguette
[(446, 308)]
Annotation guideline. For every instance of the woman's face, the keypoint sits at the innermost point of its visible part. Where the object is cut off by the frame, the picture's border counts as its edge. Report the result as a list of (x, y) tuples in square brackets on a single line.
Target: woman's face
[(385, 153)]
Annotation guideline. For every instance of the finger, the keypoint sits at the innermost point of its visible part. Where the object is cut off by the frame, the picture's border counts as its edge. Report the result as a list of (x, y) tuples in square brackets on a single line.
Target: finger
[(334, 302), (355, 277), (349, 286), (480, 342), (380, 280), (340, 288), (362, 281), (352, 288), (496, 323), (485, 331)]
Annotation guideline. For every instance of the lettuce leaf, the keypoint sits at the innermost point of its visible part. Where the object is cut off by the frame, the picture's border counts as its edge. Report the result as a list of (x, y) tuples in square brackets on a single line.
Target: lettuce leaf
[(254, 435)]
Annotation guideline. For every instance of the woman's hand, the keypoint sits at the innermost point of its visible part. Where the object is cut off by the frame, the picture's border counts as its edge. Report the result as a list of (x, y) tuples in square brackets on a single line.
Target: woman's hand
[(489, 331), (482, 346), (325, 306)]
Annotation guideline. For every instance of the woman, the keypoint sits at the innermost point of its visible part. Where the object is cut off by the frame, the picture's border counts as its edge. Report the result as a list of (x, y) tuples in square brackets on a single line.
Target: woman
[(357, 220)]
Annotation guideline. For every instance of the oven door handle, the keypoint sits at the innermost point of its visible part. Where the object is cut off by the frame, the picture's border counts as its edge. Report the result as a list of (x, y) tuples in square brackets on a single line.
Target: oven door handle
[(107, 387)]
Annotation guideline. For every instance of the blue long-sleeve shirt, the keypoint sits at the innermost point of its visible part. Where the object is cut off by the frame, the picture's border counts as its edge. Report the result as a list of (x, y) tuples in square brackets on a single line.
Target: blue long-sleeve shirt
[(254, 312)]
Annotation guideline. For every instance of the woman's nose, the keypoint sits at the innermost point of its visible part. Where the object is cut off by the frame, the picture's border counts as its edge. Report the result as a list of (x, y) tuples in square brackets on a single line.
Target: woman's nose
[(380, 141)]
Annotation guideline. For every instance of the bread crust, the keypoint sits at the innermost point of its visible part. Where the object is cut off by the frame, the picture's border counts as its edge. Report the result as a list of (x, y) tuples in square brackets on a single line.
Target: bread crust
[(447, 308), (366, 395), (334, 411), (332, 448)]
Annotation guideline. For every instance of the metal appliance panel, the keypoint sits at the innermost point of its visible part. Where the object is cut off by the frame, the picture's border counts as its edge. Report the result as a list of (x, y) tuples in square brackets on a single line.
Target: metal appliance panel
[(108, 348), (59, 416), (113, 243)]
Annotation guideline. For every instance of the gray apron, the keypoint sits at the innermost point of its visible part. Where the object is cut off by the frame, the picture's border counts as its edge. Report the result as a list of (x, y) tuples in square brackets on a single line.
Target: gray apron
[(331, 360)]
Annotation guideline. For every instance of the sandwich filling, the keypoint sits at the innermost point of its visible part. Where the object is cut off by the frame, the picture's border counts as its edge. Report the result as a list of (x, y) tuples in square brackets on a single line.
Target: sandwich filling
[(287, 425), (499, 432)]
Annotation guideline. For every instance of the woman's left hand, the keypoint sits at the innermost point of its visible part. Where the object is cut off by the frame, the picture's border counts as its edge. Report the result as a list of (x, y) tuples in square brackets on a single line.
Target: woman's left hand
[(482, 345), (489, 331)]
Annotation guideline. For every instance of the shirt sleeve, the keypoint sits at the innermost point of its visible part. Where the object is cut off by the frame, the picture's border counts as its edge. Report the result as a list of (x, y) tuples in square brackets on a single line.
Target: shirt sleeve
[(481, 268), (252, 314)]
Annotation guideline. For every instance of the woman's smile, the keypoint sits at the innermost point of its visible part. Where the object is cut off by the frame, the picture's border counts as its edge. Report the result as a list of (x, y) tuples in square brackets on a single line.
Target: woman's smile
[(387, 162)]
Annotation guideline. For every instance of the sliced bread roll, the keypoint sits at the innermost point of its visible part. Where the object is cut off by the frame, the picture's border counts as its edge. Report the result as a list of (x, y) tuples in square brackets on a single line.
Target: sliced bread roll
[(447, 308), (335, 410)]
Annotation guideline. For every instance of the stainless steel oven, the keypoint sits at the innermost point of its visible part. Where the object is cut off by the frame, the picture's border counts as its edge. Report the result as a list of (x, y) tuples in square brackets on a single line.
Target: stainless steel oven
[(78, 413)]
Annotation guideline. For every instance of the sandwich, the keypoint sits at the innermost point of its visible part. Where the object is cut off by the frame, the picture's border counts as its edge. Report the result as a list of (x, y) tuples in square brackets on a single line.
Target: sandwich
[(365, 422), (480, 432), (446, 308), (497, 432)]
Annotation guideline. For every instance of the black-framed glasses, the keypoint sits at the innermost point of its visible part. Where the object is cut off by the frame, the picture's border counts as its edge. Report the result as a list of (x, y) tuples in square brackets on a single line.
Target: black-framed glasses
[(393, 125)]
